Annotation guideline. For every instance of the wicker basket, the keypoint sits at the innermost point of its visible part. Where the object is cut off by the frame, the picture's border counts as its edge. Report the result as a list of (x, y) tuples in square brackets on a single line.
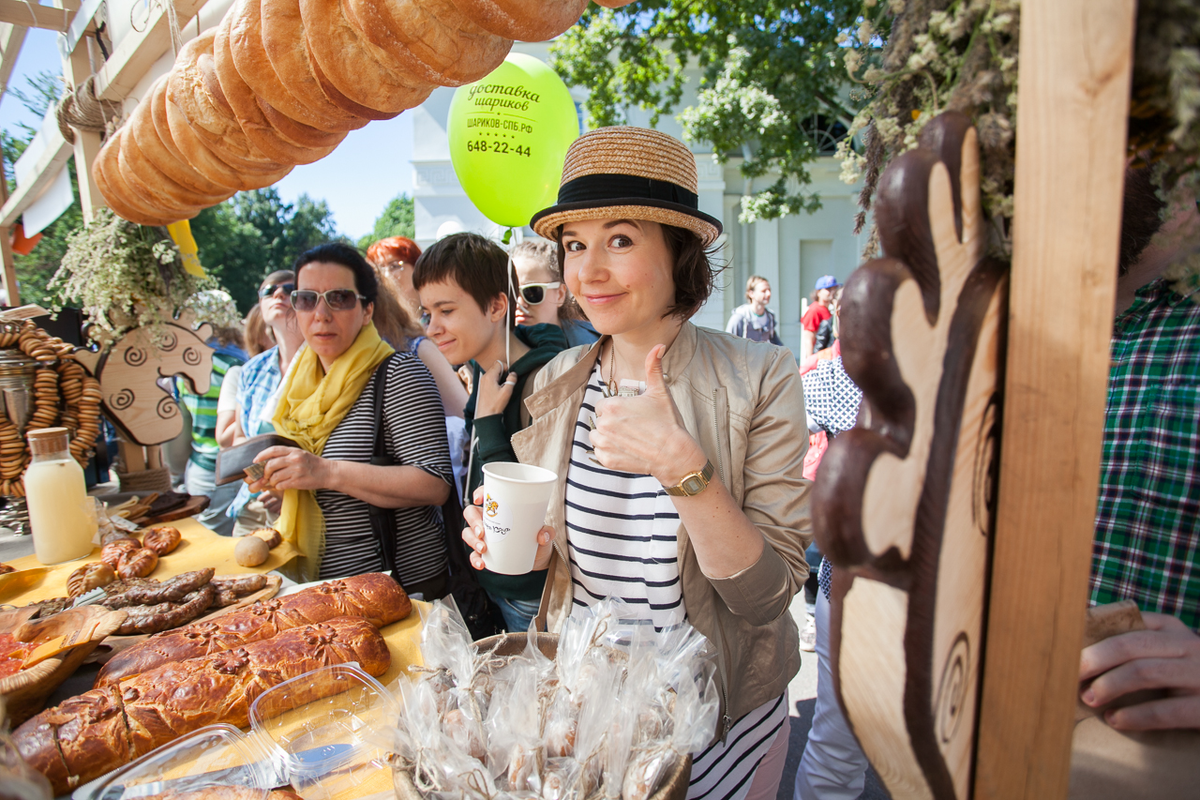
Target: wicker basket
[(25, 693), (675, 785)]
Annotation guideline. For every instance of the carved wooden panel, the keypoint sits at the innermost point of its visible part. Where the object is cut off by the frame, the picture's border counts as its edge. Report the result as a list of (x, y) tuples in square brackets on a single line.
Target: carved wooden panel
[(135, 373), (904, 507)]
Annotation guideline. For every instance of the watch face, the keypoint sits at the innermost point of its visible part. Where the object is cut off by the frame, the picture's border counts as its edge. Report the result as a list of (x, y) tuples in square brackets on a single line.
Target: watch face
[(693, 484)]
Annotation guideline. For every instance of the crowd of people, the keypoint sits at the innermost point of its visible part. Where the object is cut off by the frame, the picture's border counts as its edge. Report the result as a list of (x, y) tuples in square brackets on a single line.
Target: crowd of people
[(685, 456)]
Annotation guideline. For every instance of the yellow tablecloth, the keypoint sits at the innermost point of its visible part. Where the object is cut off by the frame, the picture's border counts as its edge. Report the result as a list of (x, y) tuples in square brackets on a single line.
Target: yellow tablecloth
[(200, 548)]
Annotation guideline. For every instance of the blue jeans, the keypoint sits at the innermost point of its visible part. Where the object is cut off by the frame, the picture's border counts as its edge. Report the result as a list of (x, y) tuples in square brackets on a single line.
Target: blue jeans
[(517, 613)]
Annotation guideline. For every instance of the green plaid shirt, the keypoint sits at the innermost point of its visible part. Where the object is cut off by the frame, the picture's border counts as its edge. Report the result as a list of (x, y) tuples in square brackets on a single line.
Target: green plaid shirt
[(1147, 545)]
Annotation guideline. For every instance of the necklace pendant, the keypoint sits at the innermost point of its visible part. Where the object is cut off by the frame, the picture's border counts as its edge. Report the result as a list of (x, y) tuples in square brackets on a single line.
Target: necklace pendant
[(611, 388)]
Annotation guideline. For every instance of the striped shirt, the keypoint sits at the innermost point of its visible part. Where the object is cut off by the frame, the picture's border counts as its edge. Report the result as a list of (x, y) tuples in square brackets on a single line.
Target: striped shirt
[(256, 400), (203, 407), (414, 431), (621, 541)]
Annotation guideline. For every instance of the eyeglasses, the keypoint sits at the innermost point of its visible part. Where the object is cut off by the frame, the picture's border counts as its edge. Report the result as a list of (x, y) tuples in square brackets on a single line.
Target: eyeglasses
[(535, 293), (271, 288), (337, 299), (425, 319)]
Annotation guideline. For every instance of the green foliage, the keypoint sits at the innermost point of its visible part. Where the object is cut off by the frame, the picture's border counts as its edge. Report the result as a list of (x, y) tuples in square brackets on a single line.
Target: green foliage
[(123, 275), (397, 219), (766, 67), (252, 234)]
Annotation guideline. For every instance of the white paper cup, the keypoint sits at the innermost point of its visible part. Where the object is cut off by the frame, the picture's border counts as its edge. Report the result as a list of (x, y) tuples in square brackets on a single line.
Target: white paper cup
[(515, 498)]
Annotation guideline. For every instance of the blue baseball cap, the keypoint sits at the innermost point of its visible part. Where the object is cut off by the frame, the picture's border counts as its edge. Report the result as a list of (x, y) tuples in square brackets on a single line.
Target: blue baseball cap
[(827, 282)]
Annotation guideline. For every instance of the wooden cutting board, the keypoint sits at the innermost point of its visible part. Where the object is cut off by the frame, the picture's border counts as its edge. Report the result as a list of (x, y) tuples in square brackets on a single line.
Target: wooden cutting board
[(200, 548)]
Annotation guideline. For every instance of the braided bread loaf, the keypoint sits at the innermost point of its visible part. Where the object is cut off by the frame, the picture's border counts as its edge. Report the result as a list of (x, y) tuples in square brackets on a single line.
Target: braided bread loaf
[(104, 728), (374, 596)]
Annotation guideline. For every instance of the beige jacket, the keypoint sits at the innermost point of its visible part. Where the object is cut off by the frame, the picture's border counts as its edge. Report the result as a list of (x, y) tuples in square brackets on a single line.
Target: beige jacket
[(743, 403)]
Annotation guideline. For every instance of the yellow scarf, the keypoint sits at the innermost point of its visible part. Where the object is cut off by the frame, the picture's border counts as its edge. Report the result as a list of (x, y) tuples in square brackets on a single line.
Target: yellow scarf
[(311, 404)]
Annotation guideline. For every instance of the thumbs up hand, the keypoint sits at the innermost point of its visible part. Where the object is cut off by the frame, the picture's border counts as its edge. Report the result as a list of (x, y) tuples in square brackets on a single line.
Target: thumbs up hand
[(645, 435)]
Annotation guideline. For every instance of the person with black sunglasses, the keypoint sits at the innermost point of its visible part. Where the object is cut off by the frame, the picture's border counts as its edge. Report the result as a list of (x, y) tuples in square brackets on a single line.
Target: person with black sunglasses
[(257, 394), (543, 297)]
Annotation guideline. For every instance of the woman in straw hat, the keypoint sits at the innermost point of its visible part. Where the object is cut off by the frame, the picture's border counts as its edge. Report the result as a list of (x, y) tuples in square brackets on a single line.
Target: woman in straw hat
[(679, 450)]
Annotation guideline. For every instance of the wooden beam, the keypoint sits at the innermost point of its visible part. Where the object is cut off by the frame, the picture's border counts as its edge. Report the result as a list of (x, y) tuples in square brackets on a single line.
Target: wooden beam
[(11, 39), (8, 270), (76, 69), (44, 172), (137, 52), (1075, 77), (32, 15)]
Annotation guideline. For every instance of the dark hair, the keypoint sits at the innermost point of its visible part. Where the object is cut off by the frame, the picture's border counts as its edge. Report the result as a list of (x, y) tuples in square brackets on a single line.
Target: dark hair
[(278, 276), (346, 256), (475, 263), (393, 248), (1141, 216), (693, 272)]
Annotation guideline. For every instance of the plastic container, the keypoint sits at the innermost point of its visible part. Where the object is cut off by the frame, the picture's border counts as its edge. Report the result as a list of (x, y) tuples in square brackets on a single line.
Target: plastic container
[(215, 756), (327, 748)]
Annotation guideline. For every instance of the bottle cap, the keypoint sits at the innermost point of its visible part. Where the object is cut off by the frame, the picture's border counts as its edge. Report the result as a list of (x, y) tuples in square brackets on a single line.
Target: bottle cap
[(48, 440)]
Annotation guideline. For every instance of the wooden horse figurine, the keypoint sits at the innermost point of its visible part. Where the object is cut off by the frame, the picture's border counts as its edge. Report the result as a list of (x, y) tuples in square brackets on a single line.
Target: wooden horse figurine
[(129, 372), (904, 507)]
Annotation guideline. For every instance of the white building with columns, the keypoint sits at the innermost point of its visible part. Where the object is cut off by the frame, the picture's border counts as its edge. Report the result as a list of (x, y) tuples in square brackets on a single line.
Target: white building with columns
[(791, 252)]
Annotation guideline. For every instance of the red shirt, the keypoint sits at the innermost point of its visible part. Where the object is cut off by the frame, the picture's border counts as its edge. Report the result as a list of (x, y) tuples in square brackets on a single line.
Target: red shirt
[(813, 318)]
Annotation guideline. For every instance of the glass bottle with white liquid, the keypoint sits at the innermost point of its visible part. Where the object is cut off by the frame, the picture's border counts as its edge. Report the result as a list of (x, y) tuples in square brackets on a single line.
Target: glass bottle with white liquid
[(61, 514)]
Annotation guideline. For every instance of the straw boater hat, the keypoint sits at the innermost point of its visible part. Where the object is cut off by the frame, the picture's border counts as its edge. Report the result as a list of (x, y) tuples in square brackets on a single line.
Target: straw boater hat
[(628, 173)]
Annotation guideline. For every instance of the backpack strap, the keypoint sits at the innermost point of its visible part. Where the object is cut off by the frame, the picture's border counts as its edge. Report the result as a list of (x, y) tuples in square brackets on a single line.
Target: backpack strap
[(383, 520)]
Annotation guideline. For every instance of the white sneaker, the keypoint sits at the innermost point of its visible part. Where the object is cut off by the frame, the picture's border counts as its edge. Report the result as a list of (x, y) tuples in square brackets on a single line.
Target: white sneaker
[(808, 636)]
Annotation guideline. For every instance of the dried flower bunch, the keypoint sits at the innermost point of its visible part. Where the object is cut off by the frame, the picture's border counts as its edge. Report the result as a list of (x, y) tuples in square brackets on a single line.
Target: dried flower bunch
[(940, 55), (1164, 112), (124, 276)]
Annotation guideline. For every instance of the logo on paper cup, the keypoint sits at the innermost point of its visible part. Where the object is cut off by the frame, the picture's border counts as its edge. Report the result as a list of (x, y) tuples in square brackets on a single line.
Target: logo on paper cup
[(490, 506)]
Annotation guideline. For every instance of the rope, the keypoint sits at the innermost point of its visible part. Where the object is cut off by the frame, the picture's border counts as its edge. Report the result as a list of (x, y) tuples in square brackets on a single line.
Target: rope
[(81, 110)]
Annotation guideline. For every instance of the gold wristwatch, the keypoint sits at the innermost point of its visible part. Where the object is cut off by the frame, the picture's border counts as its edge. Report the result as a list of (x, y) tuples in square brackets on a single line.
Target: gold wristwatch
[(693, 483)]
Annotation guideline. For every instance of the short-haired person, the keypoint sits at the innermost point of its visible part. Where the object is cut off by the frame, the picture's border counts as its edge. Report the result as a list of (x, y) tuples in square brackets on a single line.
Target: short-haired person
[(464, 281), (818, 312), (398, 255), (678, 449), (754, 320), (542, 296), (258, 393), (327, 407)]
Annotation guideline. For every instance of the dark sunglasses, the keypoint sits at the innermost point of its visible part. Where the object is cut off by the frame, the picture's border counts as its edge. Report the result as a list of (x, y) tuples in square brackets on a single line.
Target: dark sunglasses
[(270, 288), (336, 299), (535, 293)]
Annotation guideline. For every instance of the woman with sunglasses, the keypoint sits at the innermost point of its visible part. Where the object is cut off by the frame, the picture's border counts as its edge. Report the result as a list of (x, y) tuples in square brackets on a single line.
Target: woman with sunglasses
[(257, 394), (543, 297), (678, 449), (327, 407)]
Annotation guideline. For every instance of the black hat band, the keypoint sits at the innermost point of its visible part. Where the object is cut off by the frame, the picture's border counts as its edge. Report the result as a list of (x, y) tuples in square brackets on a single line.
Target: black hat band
[(595, 189)]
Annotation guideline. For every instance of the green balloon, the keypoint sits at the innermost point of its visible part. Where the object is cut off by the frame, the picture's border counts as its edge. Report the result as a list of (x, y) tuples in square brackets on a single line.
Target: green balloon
[(509, 135)]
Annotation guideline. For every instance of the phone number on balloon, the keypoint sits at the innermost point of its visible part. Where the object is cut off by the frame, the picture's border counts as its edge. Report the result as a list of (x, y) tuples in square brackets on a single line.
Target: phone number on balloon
[(504, 148)]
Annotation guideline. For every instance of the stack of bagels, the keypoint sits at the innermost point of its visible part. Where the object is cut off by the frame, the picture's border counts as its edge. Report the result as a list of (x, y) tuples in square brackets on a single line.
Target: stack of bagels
[(281, 82)]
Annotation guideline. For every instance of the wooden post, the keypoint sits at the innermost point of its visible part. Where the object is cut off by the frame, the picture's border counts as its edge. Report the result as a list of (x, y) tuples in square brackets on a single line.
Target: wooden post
[(1074, 100), (76, 69), (8, 270)]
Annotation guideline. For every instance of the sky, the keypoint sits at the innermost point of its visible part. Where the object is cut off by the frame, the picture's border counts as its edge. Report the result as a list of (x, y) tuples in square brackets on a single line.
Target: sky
[(358, 179)]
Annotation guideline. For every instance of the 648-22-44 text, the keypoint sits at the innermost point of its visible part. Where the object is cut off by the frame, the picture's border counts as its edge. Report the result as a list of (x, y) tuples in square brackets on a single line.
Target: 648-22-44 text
[(503, 148)]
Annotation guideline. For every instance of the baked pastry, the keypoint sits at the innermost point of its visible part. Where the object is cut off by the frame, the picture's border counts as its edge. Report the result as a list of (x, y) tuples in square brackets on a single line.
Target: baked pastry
[(116, 191), (249, 114), (104, 728), (286, 46), (162, 540), (432, 39), (7, 568), (280, 108), (269, 535), (88, 577), (111, 553), (373, 596), (137, 564), (162, 154), (150, 184), (524, 20), (350, 66)]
